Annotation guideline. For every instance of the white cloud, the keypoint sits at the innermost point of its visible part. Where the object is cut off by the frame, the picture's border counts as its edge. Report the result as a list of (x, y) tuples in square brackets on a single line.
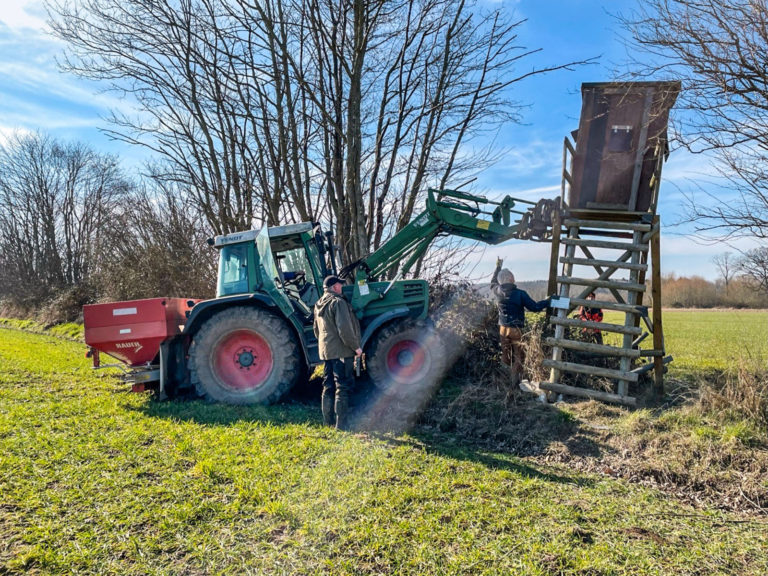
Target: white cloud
[(34, 93), (23, 14), (6, 132)]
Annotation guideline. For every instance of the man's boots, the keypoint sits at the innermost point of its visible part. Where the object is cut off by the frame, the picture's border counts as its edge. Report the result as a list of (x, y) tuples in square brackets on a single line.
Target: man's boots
[(327, 405), (342, 411)]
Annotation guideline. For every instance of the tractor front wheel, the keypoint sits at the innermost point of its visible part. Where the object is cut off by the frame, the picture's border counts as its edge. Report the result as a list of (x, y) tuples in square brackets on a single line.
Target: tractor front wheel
[(244, 356), (402, 356)]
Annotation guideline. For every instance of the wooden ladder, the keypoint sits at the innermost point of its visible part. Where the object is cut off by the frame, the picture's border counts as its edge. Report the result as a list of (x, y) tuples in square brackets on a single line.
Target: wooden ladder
[(631, 241)]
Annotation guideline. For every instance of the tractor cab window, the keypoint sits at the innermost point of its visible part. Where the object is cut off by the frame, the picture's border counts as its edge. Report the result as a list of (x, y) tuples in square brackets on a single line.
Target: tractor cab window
[(296, 273), (233, 270)]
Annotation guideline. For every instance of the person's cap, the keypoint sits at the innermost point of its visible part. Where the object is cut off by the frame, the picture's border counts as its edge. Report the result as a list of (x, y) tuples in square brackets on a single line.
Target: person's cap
[(331, 280)]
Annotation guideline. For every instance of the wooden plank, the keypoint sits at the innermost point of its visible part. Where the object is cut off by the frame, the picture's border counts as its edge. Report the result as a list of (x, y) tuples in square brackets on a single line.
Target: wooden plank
[(593, 348), (608, 224), (604, 274), (576, 323), (639, 339), (588, 393), (595, 262), (605, 244), (591, 370), (554, 252), (617, 284), (604, 233), (648, 367), (648, 353), (569, 146), (658, 333), (566, 176), (630, 320), (641, 149), (641, 279), (607, 305), (557, 352), (651, 233)]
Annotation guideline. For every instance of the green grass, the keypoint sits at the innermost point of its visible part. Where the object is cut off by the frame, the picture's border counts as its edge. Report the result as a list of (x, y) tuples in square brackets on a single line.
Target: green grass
[(703, 340), (96, 480), (71, 331)]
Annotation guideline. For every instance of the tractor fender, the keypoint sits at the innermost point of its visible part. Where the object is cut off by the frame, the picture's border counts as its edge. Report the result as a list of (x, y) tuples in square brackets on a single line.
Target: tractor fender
[(207, 308), (381, 319)]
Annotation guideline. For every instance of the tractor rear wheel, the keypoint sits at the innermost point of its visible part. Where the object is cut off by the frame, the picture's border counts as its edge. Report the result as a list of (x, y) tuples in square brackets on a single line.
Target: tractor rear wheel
[(403, 356), (244, 356)]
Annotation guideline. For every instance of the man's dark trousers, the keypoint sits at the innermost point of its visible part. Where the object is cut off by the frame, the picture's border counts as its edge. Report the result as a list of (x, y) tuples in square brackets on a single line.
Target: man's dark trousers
[(337, 374)]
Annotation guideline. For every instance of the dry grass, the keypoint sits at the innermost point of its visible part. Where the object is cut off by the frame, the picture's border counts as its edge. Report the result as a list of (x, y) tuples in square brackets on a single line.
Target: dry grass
[(743, 393), (706, 445)]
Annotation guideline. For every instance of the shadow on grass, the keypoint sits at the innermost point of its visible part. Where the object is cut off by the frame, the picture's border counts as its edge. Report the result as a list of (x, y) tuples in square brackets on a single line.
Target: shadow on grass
[(302, 407), (492, 461)]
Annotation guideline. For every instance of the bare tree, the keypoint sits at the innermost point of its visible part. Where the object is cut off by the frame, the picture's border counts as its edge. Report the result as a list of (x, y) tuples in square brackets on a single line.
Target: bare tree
[(718, 49), (727, 267), (306, 109), (159, 248), (57, 203), (753, 265)]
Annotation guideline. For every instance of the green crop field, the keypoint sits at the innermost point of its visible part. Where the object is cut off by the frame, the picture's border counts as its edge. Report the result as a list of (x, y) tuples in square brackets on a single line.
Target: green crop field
[(96, 480), (710, 339)]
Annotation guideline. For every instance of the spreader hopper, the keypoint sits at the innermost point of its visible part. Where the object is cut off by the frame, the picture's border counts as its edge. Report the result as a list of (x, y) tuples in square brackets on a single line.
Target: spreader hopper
[(132, 331)]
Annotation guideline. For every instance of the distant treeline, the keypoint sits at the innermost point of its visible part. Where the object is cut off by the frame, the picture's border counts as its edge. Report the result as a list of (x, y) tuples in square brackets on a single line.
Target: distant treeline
[(687, 292)]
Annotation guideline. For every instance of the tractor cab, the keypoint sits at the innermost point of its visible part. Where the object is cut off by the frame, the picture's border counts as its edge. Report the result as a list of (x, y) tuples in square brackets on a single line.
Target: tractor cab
[(284, 261)]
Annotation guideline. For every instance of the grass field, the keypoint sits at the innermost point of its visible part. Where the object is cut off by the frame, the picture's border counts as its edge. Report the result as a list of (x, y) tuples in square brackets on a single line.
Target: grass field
[(95, 480), (711, 339)]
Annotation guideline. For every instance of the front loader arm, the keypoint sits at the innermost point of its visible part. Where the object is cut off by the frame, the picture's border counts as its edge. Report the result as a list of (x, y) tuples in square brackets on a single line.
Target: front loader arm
[(447, 212)]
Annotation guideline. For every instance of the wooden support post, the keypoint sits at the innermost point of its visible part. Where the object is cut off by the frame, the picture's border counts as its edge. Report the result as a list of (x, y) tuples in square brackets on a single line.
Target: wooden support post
[(557, 352), (629, 319), (552, 284), (658, 334)]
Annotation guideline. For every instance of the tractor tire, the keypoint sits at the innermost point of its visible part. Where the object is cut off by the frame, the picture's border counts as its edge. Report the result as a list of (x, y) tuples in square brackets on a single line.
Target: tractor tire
[(403, 357), (244, 356)]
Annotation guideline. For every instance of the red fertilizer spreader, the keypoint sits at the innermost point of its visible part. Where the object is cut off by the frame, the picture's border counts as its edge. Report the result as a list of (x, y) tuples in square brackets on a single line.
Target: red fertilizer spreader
[(133, 333)]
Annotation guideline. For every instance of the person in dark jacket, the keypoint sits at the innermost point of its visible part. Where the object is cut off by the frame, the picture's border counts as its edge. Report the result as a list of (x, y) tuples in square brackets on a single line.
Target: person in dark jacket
[(512, 303), (338, 339)]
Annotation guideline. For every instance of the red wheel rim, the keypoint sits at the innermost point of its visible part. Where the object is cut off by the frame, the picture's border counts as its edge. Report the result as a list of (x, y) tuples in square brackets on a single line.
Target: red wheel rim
[(406, 359), (242, 360)]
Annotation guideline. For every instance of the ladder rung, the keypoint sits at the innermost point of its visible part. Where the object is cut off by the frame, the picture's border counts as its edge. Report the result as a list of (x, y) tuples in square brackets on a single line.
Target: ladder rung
[(618, 328), (617, 284), (640, 226), (588, 393), (590, 370), (607, 305), (594, 348), (605, 244), (652, 353), (605, 263)]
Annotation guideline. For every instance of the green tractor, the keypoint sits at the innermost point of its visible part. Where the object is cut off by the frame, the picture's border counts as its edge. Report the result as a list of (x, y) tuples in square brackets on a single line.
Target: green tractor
[(255, 340)]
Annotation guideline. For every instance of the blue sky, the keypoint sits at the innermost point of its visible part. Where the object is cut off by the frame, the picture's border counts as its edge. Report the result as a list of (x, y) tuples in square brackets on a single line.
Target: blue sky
[(34, 95)]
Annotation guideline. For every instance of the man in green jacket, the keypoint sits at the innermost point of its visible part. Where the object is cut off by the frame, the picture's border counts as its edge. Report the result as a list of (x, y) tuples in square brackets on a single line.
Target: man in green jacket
[(338, 339)]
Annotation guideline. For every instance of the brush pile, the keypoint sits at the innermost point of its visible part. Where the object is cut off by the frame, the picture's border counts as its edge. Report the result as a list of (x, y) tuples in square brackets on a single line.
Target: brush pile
[(468, 323)]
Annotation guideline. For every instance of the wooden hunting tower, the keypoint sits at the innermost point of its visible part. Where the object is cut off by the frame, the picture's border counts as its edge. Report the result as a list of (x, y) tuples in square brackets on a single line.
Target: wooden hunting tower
[(611, 181)]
